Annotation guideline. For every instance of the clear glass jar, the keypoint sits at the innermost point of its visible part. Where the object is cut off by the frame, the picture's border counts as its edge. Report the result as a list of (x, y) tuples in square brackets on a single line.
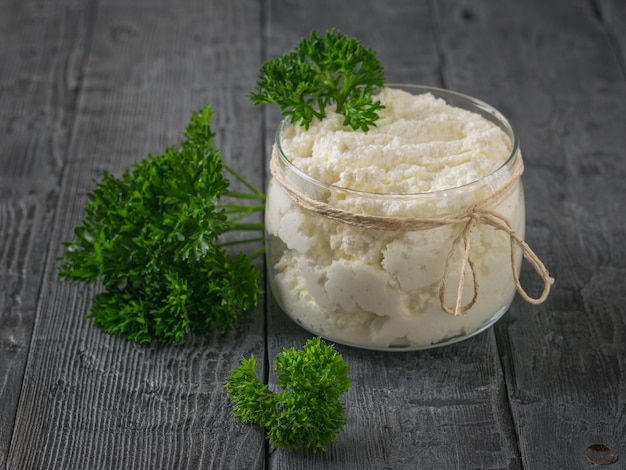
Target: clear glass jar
[(383, 271)]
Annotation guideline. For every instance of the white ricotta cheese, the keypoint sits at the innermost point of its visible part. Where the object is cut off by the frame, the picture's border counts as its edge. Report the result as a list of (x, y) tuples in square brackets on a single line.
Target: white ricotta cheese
[(376, 288), (420, 144)]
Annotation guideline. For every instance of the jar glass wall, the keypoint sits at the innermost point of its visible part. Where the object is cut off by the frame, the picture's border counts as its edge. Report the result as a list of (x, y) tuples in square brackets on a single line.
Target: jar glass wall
[(379, 270)]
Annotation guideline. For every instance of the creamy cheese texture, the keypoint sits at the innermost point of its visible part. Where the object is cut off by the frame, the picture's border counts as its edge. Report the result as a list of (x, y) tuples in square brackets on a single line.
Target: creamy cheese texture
[(420, 144), (378, 288)]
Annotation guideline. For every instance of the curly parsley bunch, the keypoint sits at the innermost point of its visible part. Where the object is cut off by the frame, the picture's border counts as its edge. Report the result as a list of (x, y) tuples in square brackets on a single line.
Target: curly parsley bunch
[(152, 237), (321, 71), (308, 411)]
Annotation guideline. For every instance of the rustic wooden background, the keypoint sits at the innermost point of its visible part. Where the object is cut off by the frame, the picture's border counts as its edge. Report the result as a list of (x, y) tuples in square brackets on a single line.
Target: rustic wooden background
[(93, 85)]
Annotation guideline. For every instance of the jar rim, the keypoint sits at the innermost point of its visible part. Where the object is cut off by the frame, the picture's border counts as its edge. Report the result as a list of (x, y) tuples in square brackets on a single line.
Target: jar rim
[(461, 100)]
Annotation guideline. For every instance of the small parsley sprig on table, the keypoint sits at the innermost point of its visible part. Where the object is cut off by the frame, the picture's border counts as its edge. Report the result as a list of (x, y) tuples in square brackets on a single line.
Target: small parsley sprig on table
[(152, 235), (308, 412), (321, 71)]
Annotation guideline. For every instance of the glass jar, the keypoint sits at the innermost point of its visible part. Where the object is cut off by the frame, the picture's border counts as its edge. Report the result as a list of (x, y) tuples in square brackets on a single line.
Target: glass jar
[(392, 271)]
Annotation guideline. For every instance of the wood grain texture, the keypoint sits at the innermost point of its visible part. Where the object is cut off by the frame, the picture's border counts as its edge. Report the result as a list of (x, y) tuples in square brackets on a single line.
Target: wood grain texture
[(42, 50), (90, 400)]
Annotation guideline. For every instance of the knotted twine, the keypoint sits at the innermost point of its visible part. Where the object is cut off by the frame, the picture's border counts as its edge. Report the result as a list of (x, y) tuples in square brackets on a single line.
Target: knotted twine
[(468, 217)]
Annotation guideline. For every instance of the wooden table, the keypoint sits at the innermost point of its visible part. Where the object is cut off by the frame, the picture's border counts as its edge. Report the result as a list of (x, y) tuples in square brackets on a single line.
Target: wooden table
[(94, 85)]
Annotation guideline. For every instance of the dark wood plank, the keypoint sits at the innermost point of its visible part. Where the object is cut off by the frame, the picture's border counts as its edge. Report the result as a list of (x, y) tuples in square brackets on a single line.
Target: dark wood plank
[(42, 52), (550, 66), (443, 408), (90, 400)]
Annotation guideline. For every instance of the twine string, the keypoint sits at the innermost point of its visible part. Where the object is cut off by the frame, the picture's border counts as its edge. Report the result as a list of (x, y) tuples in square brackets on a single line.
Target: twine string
[(469, 217), (498, 222)]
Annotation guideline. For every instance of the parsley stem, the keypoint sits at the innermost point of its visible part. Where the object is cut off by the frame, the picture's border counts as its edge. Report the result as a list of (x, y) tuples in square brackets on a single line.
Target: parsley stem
[(249, 226), (236, 208), (259, 194), (241, 242), (237, 215), (240, 195), (256, 253)]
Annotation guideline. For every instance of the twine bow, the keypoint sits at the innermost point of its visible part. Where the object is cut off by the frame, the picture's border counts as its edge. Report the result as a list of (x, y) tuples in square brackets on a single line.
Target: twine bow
[(469, 217), (499, 222)]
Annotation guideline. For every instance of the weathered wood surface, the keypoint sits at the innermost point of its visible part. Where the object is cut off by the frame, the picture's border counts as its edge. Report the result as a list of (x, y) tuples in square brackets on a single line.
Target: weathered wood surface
[(43, 46), (96, 85)]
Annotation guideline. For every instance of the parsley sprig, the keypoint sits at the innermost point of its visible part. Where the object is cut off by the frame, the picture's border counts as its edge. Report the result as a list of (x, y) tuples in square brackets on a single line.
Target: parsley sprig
[(152, 235), (308, 412), (321, 71)]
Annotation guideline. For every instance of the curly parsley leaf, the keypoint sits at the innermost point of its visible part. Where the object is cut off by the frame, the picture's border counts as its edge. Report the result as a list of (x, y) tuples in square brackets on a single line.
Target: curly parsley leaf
[(319, 72), (308, 412), (151, 236)]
